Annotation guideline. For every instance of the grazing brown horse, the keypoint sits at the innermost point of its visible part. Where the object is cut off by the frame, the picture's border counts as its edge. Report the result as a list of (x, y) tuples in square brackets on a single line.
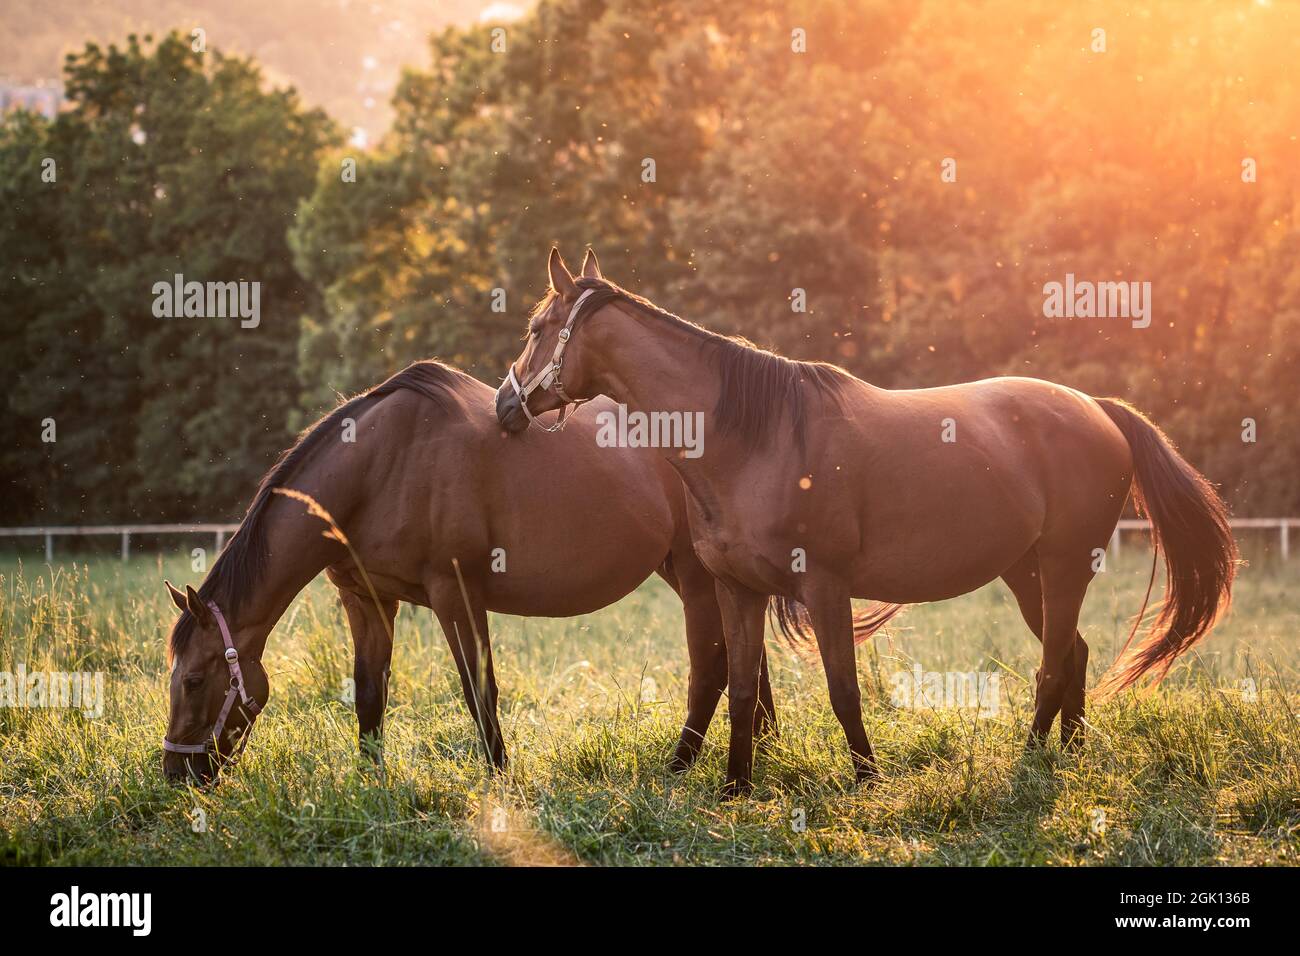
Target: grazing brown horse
[(544, 528), (817, 487)]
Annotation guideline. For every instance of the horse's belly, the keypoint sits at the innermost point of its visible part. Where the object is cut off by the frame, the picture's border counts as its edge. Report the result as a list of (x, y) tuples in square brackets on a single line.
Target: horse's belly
[(579, 567), (922, 581), (564, 592), (949, 547), (598, 527)]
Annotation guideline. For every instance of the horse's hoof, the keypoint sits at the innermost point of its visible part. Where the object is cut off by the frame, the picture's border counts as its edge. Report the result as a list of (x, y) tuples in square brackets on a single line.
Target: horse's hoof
[(737, 789), (682, 759)]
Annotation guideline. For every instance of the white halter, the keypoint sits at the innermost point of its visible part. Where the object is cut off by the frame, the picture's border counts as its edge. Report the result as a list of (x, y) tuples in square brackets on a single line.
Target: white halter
[(549, 377)]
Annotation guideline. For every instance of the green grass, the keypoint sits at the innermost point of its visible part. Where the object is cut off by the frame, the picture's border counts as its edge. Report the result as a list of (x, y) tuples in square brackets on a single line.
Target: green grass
[(1195, 773)]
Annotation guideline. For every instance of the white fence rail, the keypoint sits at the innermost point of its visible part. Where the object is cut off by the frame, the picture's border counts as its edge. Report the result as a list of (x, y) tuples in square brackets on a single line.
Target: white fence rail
[(1283, 526), (123, 530)]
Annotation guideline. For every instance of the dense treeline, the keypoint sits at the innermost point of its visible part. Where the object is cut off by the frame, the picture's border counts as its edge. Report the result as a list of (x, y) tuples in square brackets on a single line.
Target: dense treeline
[(170, 162), (921, 172)]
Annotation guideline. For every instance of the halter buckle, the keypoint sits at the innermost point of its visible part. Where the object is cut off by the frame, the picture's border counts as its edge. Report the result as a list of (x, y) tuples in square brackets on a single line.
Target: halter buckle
[(232, 655)]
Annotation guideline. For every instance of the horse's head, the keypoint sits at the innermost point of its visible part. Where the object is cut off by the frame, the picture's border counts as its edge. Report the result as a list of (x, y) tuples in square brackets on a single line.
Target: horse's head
[(550, 372), (217, 689)]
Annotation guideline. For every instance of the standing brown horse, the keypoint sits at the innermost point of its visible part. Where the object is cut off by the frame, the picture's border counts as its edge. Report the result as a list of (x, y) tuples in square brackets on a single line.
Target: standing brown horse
[(544, 528), (817, 487)]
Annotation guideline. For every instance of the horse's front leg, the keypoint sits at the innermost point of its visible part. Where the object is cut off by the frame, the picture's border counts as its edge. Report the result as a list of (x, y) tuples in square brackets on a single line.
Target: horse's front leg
[(372, 628), (742, 618), (706, 645)]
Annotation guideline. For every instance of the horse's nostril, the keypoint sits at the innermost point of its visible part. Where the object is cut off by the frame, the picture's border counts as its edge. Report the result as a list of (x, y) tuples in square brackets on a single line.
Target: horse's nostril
[(514, 421), (509, 414)]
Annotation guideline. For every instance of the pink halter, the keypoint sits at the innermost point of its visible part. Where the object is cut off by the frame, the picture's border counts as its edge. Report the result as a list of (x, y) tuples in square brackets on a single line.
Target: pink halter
[(236, 690)]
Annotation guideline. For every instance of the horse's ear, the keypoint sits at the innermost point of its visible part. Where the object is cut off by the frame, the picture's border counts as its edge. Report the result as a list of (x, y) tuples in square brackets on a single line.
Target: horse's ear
[(194, 604), (591, 265), (178, 597), (561, 278)]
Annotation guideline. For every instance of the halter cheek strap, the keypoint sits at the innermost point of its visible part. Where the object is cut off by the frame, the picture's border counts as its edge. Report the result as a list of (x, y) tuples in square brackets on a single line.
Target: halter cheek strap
[(236, 690), (549, 377)]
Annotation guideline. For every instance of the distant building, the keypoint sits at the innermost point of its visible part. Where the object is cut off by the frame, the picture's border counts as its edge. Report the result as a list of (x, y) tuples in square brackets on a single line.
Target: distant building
[(43, 96)]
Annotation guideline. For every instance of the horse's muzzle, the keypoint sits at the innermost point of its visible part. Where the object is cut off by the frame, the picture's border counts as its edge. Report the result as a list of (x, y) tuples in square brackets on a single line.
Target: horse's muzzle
[(198, 768), (510, 413)]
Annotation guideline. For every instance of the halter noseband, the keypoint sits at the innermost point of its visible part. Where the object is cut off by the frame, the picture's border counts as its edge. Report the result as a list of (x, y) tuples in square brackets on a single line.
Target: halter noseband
[(236, 690), (549, 377)]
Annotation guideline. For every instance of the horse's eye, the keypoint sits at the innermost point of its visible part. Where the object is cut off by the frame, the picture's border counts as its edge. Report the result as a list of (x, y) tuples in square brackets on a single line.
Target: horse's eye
[(192, 681)]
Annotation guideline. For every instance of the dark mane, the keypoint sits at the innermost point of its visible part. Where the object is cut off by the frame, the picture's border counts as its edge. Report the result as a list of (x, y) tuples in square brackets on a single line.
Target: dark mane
[(756, 386), (243, 560)]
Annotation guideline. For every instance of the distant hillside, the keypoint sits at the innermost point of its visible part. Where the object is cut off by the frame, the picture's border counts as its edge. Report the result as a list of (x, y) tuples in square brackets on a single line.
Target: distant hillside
[(343, 55)]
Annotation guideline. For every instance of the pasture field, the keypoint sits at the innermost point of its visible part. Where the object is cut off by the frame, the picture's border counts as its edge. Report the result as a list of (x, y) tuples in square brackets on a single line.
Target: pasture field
[(1206, 770)]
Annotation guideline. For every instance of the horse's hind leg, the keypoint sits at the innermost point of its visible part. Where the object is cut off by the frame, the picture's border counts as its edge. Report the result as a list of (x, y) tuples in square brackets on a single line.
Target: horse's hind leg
[(707, 648), (1072, 728), (372, 628), (1064, 578), (1023, 580), (472, 650)]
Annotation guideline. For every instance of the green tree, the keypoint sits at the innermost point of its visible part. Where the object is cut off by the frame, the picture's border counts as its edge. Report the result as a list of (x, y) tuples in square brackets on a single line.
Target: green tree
[(170, 161)]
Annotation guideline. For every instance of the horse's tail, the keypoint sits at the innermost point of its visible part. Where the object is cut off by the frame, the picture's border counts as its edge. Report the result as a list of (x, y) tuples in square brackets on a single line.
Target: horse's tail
[(795, 624), (1189, 522)]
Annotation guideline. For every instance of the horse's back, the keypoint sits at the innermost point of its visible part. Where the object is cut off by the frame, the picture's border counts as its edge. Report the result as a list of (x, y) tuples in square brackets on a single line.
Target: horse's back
[(1019, 422)]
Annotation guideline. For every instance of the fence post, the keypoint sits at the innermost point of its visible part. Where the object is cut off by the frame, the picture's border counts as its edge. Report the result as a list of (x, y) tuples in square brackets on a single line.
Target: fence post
[(1114, 543), (126, 545), (1286, 538), (221, 539), (49, 548)]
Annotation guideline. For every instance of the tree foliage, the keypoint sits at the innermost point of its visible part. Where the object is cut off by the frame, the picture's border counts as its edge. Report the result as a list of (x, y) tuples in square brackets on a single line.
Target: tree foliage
[(774, 171), (168, 162), (823, 171)]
